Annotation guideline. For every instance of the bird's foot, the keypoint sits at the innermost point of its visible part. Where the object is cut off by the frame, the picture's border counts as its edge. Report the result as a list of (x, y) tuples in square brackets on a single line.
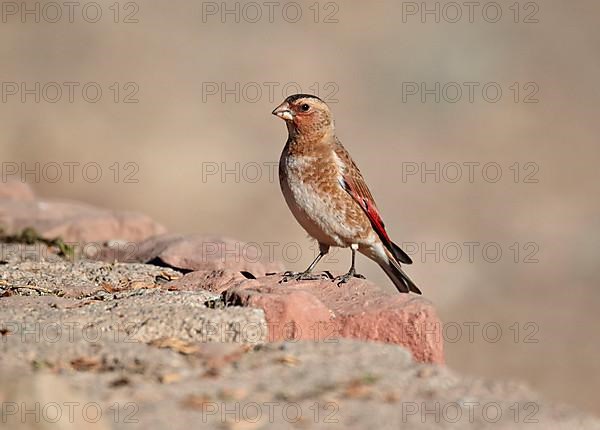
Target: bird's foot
[(303, 276), (345, 278)]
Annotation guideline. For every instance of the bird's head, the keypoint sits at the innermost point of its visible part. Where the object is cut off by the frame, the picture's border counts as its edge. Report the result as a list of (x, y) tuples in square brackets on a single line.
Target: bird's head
[(306, 116)]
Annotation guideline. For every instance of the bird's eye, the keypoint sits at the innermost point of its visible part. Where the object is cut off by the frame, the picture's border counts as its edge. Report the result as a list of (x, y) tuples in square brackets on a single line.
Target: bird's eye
[(305, 107)]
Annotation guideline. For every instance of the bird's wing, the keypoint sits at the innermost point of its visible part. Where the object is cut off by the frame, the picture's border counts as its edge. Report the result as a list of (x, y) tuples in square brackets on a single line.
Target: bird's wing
[(354, 183)]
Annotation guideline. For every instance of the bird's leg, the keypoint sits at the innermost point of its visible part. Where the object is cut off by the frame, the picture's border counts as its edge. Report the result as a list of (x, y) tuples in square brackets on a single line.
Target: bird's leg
[(303, 276), (307, 274), (352, 272)]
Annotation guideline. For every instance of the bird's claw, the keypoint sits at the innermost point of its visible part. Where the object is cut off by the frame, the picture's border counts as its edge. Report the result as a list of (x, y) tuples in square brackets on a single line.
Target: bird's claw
[(345, 278), (303, 276), (327, 274)]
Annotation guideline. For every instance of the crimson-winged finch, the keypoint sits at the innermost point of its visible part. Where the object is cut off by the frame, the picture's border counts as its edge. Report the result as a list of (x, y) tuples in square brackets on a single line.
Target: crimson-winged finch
[(328, 195)]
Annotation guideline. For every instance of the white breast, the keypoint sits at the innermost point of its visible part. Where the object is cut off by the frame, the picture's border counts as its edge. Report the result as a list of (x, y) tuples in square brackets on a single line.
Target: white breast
[(311, 208)]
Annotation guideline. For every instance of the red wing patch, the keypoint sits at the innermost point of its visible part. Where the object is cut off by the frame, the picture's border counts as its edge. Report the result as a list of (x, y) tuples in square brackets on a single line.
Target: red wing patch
[(365, 200), (376, 221)]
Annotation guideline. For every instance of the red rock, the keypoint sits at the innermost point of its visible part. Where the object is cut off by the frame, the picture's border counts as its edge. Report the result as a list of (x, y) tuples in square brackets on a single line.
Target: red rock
[(75, 222), (205, 253), (322, 311), (216, 281), (15, 190), (290, 314)]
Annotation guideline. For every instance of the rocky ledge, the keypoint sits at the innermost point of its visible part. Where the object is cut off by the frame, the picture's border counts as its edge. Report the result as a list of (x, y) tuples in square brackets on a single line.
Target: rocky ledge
[(146, 329)]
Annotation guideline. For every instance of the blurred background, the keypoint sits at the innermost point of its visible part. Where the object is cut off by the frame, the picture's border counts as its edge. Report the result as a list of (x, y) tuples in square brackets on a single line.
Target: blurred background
[(477, 131)]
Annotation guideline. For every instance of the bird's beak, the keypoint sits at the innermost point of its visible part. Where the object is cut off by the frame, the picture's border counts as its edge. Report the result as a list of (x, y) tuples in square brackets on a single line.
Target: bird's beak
[(283, 111)]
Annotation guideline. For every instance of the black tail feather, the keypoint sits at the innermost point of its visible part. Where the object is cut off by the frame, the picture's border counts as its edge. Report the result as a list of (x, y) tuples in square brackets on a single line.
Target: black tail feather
[(400, 279), (400, 255)]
